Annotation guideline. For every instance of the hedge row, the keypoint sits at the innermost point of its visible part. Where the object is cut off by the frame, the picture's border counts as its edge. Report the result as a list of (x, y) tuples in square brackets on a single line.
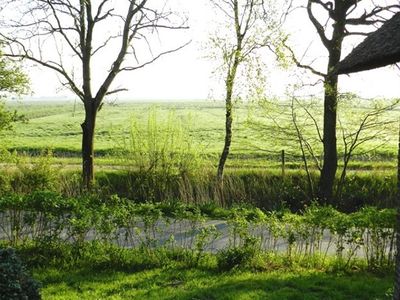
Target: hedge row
[(318, 230)]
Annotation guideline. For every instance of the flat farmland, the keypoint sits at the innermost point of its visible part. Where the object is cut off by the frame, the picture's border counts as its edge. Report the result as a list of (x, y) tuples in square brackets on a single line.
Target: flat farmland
[(260, 132)]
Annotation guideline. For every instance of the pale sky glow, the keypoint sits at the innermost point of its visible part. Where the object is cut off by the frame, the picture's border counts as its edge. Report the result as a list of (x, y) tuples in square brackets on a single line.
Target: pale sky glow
[(188, 75)]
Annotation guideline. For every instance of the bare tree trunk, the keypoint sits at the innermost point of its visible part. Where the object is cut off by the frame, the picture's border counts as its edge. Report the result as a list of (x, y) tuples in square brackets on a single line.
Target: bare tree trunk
[(88, 129), (228, 137), (396, 293), (329, 168), (243, 18)]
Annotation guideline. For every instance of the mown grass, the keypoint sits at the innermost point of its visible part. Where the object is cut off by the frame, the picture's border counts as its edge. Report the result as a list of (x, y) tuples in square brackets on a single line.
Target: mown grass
[(56, 125), (182, 283)]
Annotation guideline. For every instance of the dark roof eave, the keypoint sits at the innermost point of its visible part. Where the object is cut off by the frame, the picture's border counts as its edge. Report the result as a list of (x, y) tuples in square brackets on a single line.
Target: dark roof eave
[(380, 48), (368, 65)]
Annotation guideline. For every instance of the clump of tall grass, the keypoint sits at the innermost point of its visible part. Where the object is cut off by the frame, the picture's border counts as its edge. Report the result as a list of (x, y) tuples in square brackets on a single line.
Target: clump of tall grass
[(161, 155), (163, 145)]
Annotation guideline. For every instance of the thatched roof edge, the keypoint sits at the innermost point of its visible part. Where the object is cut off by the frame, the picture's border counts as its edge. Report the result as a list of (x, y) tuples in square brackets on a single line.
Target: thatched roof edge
[(380, 48)]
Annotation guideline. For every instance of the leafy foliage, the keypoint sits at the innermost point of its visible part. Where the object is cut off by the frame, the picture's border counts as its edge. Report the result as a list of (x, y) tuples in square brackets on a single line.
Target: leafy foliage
[(12, 81), (15, 283), (30, 177), (238, 256), (317, 234)]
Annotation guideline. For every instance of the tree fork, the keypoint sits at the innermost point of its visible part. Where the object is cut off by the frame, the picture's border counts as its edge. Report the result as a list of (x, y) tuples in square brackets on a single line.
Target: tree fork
[(329, 168)]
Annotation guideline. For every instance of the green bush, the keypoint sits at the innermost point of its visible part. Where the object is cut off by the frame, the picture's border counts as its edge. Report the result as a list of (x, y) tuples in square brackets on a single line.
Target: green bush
[(30, 177), (45, 218), (15, 283), (238, 256)]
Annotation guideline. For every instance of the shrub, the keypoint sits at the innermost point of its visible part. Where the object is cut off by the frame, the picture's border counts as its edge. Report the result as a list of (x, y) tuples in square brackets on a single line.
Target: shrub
[(238, 256), (15, 283), (46, 218), (36, 176)]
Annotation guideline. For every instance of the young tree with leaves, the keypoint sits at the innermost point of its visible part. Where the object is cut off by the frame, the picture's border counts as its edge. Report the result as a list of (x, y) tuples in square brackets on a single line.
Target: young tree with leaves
[(72, 37), (251, 26)]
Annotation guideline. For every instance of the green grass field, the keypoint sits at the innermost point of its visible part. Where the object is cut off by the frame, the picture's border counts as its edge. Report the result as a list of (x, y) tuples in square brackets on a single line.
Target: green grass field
[(56, 125), (177, 283)]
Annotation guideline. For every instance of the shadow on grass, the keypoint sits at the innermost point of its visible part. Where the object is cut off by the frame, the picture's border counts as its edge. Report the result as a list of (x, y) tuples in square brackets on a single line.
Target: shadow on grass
[(294, 286), (195, 284)]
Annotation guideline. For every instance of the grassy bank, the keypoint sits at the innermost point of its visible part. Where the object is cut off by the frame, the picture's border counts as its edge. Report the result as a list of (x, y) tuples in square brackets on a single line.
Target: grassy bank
[(268, 190), (150, 227)]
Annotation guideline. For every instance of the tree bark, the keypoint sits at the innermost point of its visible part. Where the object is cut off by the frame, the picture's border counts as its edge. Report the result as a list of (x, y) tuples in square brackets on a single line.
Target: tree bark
[(329, 168), (229, 85), (230, 82), (228, 137), (328, 172), (88, 129)]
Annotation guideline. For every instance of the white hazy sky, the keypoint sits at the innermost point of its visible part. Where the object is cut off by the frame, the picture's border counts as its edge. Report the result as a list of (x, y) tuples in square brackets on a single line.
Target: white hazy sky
[(188, 75)]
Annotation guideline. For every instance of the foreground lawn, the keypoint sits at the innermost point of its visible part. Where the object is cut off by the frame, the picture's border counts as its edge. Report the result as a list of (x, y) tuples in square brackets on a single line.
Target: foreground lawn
[(178, 283)]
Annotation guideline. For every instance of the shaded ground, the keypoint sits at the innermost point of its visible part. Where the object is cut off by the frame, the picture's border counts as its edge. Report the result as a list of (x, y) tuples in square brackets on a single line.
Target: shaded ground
[(176, 283)]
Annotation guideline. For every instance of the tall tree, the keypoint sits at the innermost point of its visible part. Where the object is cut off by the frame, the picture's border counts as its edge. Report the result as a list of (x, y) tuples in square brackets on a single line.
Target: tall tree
[(250, 27), (64, 35), (334, 21)]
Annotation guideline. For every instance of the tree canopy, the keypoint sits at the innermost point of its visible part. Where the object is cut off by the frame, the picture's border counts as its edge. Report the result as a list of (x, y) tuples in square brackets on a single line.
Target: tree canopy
[(12, 81)]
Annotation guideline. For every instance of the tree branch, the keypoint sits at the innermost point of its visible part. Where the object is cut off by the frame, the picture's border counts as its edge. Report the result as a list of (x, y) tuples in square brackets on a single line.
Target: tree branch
[(300, 65)]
